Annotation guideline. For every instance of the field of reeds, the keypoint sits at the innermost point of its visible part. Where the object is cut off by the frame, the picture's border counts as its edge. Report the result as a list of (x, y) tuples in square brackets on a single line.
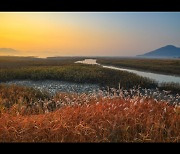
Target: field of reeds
[(28, 115), (65, 69), (10, 62), (136, 111), (166, 66)]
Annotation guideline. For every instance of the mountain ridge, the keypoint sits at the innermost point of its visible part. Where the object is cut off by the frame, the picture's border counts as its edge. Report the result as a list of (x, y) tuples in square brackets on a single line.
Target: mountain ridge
[(166, 51)]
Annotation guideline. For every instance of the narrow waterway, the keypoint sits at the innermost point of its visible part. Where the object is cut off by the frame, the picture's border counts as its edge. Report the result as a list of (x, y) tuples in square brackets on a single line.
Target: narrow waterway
[(160, 78)]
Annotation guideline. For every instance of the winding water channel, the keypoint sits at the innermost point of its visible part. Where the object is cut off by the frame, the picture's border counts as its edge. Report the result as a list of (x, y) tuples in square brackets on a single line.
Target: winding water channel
[(160, 78)]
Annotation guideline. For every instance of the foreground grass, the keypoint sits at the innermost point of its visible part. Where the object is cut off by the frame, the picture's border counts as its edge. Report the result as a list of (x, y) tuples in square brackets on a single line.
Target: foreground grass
[(11, 96), (108, 120), (167, 66), (28, 115)]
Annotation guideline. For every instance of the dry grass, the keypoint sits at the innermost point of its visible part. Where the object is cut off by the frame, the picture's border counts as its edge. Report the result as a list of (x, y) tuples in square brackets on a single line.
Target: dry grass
[(101, 120)]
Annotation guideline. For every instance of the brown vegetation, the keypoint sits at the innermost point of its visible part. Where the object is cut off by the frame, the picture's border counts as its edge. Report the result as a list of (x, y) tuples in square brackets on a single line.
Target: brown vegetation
[(99, 120)]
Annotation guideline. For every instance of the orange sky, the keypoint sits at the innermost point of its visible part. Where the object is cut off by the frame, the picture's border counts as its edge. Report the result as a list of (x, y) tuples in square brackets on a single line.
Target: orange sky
[(43, 36), (68, 34)]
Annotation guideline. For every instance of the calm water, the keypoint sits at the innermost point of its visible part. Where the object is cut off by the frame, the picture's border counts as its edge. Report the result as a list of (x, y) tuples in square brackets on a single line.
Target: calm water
[(160, 78), (88, 61)]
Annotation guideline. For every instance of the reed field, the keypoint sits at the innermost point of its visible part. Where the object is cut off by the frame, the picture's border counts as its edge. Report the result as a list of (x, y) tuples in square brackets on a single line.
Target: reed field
[(85, 118), (130, 108), (66, 70)]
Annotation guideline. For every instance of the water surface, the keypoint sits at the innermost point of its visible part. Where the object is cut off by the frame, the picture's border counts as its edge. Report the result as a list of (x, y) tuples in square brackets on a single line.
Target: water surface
[(88, 61), (160, 78)]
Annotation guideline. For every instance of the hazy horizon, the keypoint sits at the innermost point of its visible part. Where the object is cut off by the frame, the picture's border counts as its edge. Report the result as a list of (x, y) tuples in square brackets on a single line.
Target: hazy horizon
[(47, 34)]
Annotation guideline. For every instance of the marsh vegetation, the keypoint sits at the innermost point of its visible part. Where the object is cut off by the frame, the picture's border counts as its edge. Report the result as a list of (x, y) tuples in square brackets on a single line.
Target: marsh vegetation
[(28, 115), (67, 70), (119, 107)]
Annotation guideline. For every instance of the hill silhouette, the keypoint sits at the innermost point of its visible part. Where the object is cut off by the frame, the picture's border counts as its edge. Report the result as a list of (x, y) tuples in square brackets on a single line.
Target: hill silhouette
[(166, 51)]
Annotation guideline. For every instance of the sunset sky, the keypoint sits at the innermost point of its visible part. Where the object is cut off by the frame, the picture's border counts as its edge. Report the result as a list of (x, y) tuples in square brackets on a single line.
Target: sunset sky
[(87, 34)]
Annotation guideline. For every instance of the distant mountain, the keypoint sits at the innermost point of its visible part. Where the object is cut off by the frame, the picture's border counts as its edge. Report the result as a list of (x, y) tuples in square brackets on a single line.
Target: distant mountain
[(7, 50), (166, 51)]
